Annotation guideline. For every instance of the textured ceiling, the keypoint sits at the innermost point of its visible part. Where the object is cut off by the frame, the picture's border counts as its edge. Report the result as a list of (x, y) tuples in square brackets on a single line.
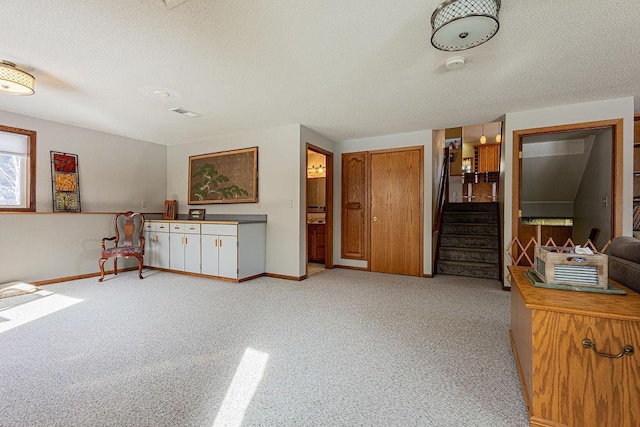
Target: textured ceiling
[(346, 69)]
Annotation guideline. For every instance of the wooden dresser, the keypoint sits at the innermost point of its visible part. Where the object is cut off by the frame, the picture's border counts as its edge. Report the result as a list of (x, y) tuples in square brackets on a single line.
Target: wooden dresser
[(563, 382)]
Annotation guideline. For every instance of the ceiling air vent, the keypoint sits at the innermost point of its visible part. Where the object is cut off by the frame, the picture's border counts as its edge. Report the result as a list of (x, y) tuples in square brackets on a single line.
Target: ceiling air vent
[(170, 4), (186, 112)]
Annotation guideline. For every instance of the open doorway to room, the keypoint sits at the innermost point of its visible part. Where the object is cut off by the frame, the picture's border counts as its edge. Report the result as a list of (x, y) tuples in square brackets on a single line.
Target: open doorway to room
[(567, 186), (319, 212), (467, 212)]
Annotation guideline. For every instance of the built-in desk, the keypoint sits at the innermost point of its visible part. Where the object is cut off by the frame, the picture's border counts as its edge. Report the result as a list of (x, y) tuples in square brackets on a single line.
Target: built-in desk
[(563, 382)]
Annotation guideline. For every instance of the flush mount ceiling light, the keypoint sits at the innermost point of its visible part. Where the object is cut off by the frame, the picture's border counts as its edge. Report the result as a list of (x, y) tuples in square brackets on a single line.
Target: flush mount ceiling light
[(463, 24), (15, 81)]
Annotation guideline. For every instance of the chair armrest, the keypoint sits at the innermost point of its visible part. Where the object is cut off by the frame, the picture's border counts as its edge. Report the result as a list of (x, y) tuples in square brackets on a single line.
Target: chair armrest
[(107, 238)]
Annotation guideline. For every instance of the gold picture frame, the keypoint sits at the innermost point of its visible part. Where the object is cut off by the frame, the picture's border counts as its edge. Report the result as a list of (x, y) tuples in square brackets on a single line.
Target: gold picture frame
[(224, 177)]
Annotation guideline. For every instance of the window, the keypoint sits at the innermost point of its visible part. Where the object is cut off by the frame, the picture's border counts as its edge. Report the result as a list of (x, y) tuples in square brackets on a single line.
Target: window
[(17, 170)]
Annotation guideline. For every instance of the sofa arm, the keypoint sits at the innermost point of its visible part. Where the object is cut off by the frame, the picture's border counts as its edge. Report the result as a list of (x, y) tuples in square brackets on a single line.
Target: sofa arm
[(624, 261)]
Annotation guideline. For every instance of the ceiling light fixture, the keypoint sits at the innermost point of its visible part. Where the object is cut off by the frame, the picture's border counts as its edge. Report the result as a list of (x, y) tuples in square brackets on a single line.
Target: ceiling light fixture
[(15, 81), (463, 24), (314, 169), (483, 138), (499, 138)]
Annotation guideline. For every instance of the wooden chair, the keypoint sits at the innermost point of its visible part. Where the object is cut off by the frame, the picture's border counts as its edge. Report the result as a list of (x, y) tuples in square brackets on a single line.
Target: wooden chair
[(127, 247)]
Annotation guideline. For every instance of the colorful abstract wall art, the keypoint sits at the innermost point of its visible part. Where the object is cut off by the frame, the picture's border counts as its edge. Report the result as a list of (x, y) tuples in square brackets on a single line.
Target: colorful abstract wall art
[(65, 182)]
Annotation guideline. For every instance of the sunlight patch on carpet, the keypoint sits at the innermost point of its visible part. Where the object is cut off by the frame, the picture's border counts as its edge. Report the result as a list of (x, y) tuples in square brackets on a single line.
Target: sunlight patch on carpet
[(243, 386), (32, 310)]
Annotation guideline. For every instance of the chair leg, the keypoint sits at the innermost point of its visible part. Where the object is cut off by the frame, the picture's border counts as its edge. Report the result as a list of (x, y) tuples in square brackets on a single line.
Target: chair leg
[(101, 264), (140, 267), (115, 266)]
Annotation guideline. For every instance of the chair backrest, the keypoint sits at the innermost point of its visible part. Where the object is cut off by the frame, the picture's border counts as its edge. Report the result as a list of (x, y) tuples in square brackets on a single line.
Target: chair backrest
[(126, 222)]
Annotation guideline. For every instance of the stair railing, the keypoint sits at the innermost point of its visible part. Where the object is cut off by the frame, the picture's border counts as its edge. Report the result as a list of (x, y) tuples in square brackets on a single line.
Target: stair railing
[(443, 197)]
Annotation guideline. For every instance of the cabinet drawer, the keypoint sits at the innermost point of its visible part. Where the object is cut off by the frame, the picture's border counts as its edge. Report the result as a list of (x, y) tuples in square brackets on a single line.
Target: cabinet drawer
[(179, 227), (220, 229), (156, 226)]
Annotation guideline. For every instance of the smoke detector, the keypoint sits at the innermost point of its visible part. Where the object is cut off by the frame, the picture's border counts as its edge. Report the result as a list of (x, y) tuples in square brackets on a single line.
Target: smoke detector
[(454, 63)]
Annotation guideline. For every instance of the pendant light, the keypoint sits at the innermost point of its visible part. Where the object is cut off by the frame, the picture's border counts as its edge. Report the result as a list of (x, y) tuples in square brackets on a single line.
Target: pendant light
[(463, 24), (15, 81), (483, 138), (499, 138)]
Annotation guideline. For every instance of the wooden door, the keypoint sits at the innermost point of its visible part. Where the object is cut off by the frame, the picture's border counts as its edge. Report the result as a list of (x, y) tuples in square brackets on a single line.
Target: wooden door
[(396, 211), (354, 206)]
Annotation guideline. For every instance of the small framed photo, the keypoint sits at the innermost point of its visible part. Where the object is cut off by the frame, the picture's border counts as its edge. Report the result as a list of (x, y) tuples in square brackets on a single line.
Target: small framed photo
[(197, 214)]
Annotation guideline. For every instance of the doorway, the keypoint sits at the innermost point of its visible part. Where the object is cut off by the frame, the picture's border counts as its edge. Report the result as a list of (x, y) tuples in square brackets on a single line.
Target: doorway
[(574, 155), (319, 209)]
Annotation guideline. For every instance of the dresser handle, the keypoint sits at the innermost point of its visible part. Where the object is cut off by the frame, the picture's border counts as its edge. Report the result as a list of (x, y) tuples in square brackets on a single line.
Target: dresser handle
[(627, 349)]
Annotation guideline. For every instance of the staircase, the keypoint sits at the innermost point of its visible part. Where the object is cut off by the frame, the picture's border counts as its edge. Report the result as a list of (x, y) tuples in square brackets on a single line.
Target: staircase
[(469, 240)]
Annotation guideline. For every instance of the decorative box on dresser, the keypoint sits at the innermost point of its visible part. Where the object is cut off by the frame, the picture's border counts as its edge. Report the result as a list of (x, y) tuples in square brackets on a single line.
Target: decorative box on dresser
[(234, 250), (564, 381)]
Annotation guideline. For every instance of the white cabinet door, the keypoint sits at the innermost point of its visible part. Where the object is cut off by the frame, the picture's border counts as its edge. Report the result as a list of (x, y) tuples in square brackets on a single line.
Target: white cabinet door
[(192, 253), (149, 258), (228, 257), (209, 254), (161, 250), (176, 251)]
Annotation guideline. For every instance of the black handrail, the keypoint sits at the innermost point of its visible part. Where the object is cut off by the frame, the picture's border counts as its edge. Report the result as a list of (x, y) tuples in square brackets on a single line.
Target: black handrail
[(443, 197)]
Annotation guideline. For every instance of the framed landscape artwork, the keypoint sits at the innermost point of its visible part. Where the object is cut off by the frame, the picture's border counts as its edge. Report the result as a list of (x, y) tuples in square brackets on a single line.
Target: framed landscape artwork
[(65, 182), (225, 177)]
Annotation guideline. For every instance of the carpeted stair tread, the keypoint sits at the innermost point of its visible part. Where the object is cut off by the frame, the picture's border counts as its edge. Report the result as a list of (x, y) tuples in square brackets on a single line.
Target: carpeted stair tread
[(470, 228), (470, 217), (469, 269), (472, 207), (456, 253), (468, 263), (469, 241)]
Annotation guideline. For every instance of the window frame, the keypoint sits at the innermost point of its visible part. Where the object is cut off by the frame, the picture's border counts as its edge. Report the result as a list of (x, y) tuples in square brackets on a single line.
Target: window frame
[(31, 179)]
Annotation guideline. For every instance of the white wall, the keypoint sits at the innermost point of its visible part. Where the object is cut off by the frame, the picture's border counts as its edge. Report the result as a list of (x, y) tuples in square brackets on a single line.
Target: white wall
[(280, 175), (589, 209), (116, 174), (412, 139), (568, 114)]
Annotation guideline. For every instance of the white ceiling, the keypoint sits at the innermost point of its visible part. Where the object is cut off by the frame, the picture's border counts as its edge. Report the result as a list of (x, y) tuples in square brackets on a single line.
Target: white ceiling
[(346, 69)]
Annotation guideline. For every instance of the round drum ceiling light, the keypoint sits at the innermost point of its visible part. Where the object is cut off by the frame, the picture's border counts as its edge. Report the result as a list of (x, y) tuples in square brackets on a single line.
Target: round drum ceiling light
[(15, 81), (463, 24)]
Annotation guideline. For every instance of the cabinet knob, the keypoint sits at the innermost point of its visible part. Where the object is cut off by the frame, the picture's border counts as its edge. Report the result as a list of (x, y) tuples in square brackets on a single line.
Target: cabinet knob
[(375, 218)]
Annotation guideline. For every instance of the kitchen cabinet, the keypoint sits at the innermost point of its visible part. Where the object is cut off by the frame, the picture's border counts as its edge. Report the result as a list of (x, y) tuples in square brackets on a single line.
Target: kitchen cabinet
[(554, 337), (316, 238), (156, 244), (184, 247), (228, 249), (220, 250), (487, 158)]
